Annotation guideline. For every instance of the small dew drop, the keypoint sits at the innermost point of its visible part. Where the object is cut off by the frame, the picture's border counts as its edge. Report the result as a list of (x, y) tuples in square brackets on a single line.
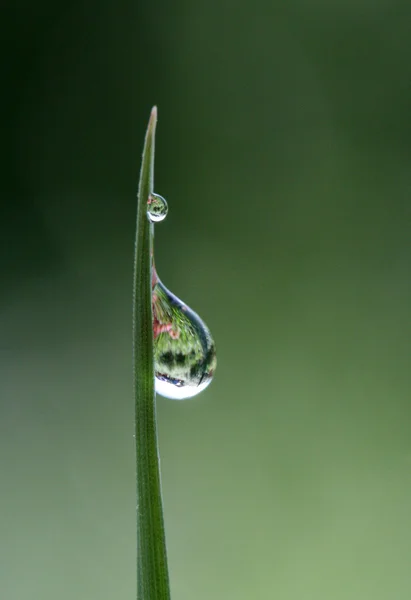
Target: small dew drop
[(184, 351), (157, 208)]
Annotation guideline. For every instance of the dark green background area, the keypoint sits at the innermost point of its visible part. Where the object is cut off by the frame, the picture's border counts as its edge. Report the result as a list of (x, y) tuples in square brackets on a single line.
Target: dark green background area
[(284, 149)]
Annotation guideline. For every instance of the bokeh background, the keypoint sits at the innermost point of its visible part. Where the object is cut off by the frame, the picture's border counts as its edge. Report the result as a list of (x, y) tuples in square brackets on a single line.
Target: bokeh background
[(283, 148)]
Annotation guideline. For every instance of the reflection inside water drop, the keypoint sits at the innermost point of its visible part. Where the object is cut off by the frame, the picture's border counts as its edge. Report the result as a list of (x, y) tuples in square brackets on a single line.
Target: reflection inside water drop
[(157, 208), (184, 351)]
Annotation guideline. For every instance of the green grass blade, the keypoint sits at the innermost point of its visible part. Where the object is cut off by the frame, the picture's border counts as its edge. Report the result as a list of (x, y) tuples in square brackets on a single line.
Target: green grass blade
[(152, 570)]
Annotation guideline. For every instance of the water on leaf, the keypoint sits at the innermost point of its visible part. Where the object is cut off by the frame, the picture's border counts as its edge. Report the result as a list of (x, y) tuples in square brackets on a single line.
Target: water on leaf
[(184, 351), (156, 208)]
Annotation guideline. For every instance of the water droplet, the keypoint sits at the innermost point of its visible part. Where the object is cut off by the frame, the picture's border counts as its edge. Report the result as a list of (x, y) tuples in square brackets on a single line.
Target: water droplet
[(184, 351), (157, 208)]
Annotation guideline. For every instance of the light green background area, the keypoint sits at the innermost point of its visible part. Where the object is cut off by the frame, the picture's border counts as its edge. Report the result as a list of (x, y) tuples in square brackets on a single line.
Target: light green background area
[(283, 149)]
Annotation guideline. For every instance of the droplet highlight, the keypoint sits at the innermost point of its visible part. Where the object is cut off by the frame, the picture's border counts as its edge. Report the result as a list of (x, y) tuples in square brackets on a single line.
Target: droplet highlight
[(157, 208), (184, 350)]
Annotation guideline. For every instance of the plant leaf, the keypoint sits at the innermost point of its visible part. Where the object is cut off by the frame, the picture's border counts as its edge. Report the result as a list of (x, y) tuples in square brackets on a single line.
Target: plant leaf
[(152, 570)]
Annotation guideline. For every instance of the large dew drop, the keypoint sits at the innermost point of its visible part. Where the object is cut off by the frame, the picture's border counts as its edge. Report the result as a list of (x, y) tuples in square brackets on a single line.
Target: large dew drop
[(156, 208), (184, 351)]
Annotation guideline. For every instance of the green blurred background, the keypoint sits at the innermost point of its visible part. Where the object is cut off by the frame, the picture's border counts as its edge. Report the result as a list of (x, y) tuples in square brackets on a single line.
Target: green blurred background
[(283, 148)]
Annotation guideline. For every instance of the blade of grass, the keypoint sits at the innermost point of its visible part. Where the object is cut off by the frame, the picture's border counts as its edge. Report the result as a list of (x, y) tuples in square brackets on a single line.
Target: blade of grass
[(152, 570)]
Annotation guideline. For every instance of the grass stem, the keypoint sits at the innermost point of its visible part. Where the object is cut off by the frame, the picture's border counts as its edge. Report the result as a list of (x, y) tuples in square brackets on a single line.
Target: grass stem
[(152, 570)]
